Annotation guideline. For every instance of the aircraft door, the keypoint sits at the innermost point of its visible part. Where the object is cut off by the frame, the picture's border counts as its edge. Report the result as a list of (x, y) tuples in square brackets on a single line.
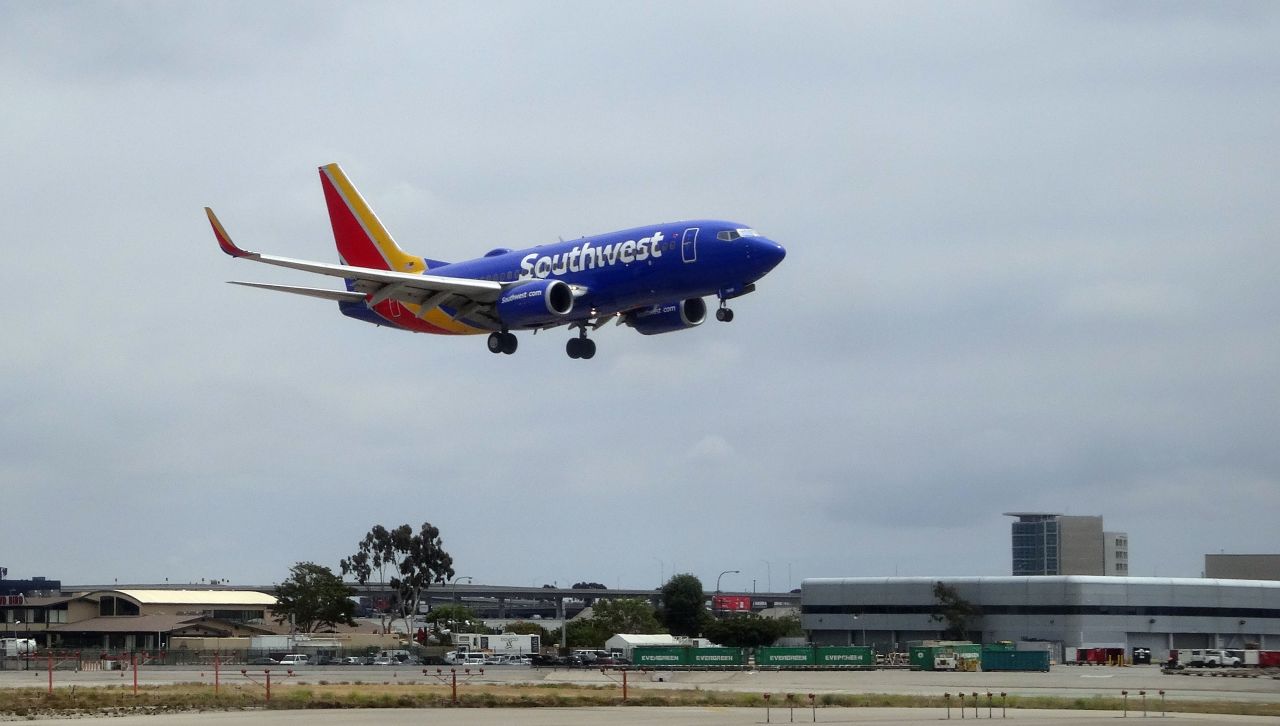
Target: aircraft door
[(689, 245)]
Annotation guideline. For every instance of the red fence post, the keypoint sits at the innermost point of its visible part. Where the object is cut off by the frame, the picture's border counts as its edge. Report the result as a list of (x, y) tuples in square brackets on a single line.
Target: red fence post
[(133, 663)]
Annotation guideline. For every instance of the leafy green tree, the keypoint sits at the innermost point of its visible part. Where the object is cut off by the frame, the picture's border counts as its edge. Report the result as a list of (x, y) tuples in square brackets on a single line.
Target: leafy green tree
[(959, 614), (581, 633), (746, 631), (684, 605), (524, 627), (625, 615), (313, 597), (414, 560)]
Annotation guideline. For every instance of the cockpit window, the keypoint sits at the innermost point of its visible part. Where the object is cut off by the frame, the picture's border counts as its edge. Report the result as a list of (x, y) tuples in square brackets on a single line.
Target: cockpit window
[(730, 235)]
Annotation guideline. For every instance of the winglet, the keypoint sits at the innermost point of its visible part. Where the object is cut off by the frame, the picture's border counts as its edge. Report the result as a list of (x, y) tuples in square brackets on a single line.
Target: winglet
[(224, 239)]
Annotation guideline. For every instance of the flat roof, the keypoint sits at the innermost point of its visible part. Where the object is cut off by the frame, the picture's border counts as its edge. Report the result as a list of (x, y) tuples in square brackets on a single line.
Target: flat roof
[(194, 597), (1048, 579)]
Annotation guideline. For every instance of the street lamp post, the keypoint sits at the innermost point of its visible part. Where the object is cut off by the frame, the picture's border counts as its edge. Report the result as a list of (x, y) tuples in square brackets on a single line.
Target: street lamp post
[(722, 574)]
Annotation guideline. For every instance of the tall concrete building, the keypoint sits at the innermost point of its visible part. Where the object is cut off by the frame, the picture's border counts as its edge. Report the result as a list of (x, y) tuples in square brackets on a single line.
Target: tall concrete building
[(1048, 543), (1242, 567)]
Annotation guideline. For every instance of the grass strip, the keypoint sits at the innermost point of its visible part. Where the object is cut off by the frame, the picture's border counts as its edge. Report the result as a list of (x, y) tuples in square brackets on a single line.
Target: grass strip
[(117, 700)]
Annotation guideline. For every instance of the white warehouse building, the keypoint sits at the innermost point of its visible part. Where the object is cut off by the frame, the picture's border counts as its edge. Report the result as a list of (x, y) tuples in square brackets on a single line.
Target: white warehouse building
[(1159, 613)]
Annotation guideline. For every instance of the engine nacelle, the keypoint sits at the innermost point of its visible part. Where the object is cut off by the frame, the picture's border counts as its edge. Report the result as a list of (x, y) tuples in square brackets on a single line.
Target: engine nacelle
[(668, 317), (535, 303)]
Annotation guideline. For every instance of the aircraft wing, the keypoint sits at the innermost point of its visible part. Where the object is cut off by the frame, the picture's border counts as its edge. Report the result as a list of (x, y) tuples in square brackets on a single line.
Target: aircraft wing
[(429, 291), (323, 294)]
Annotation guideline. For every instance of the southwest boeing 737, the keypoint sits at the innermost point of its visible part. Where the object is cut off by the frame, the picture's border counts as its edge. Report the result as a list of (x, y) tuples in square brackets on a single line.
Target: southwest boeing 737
[(651, 278)]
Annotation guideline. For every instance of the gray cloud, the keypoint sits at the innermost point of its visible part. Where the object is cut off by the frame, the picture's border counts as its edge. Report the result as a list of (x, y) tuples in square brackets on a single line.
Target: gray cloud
[(1031, 266)]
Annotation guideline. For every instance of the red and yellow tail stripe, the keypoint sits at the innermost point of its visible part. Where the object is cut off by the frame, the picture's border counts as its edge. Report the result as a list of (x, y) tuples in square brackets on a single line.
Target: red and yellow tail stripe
[(363, 241)]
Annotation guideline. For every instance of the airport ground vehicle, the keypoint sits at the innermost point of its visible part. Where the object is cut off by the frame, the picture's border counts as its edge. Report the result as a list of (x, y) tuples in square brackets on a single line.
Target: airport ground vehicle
[(1210, 658)]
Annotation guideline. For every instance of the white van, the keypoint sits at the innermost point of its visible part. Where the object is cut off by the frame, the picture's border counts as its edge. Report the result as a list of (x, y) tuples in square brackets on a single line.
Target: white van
[(296, 659)]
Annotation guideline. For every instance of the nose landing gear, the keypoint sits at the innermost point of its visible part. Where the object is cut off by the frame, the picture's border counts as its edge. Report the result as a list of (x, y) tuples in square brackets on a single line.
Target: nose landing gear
[(503, 342), (724, 314)]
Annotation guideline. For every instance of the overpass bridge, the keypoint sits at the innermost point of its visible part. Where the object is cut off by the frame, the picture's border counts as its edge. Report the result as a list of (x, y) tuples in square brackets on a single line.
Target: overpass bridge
[(489, 601)]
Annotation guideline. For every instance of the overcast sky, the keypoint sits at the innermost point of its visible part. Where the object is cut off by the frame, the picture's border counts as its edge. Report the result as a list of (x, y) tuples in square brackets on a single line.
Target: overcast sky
[(1032, 265)]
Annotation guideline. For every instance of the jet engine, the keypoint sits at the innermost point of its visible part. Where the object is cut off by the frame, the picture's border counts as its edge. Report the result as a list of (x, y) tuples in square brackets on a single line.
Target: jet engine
[(535, 303), (668, 317)]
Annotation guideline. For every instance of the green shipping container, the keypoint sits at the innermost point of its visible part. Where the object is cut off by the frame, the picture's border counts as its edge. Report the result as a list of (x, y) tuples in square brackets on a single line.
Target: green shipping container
[(660, 655), (783, 657), (857, 655), (715, 657), (921, 656), (1015, 660)]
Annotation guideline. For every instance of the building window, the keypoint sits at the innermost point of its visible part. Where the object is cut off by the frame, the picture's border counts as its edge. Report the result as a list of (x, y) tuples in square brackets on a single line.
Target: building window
[(112, 606)]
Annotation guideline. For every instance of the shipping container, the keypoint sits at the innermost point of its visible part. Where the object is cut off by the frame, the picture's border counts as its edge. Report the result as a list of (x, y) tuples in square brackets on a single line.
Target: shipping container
[(660, 655), (856, 655), (715, 657), (784, 657), (1015, 660)]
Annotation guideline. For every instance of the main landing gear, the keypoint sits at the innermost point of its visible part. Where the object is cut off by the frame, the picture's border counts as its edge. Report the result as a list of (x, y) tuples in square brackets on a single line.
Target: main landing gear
[(724, 314), (581, 346), (503, 342)]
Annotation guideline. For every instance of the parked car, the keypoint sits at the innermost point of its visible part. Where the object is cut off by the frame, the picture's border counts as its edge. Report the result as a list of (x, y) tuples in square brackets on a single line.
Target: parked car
[(385, 660), (351, 660), (263, 661), (296, 659)]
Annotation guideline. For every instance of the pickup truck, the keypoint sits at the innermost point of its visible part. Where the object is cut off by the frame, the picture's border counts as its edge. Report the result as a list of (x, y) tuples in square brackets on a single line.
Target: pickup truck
[(1212, 658)]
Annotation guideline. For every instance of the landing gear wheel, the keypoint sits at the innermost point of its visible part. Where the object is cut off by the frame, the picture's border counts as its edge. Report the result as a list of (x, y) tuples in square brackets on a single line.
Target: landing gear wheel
[(574, 347), (496, 342), (724, 315), (509, 343), (588, 349)]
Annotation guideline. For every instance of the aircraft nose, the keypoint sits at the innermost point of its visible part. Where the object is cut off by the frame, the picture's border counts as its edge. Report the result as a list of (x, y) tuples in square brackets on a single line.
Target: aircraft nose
[(768, 252)]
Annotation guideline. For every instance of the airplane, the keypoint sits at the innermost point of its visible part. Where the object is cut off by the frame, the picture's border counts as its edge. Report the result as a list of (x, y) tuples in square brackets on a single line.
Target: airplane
[(652, 279)]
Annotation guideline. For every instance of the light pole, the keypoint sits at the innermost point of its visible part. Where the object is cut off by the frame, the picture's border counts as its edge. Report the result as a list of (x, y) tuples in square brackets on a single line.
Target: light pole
[(722, 574)]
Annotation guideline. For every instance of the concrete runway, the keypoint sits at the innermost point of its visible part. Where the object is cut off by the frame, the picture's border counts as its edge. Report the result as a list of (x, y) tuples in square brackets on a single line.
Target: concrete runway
[(625, 716)]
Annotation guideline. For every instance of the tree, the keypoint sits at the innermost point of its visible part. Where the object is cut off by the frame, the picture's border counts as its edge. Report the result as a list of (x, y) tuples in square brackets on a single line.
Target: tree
[(524, 627), (415, 560), (746, 631), (581, 633), (450, 617), (314, 597), (684, 609), (959, 614), (625, 615)]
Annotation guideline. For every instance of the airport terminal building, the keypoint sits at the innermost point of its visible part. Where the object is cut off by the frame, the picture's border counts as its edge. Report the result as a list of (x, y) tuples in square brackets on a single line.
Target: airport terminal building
[(1067, 611)]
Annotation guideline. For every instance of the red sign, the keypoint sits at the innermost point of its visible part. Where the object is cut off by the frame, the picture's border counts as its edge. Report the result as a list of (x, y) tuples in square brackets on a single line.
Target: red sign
[(13, 600), (732, 603)]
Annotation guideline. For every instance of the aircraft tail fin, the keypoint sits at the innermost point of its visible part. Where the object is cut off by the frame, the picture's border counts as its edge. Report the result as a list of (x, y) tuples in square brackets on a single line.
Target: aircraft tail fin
[(361, 239)]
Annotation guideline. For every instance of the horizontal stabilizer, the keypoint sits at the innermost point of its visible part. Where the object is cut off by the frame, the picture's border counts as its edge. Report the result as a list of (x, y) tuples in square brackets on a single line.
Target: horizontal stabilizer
[(323, 294)]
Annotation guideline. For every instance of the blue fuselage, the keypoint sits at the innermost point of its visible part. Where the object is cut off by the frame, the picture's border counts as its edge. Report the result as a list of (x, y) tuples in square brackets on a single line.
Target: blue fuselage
[(636, 267)]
